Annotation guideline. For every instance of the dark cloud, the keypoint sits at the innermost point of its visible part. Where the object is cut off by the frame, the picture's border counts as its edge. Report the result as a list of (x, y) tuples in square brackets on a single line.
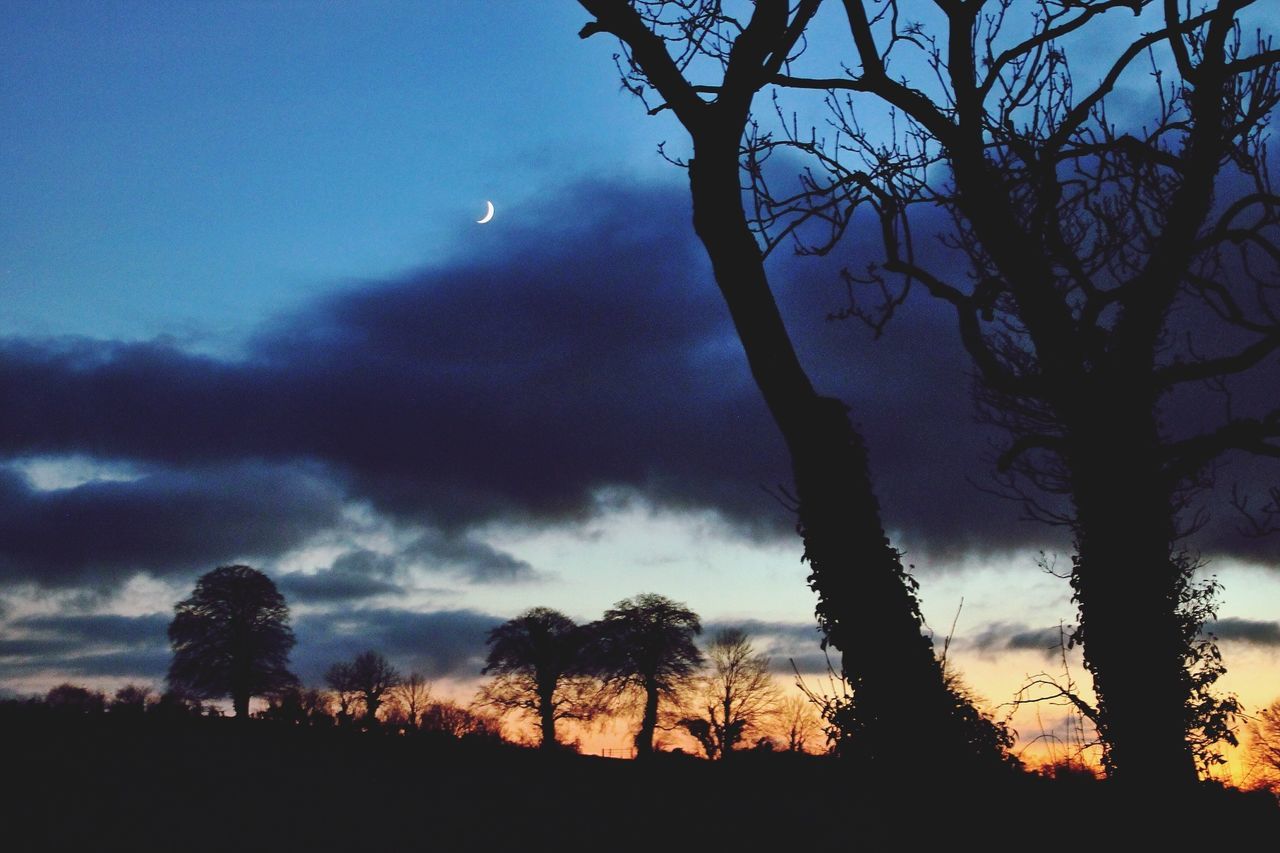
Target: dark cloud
[(353, 575), (783, 642), (560, 361), (168, 522), (102, 628), (91, 645), (363, 574), (475, 560), (1004, 636), (441, 643), (437, 644), (1251, 632)]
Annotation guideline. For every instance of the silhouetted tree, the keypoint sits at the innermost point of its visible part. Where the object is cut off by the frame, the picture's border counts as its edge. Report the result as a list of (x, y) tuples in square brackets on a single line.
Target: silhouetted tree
[(372, 676), (1264, 747), (231, 637), (645, 645), (798, 722), (1111, 265), (132, 700), (412, 694), (536, 660), (450, 718), (341, 680), (734, 699), (74, 699), (177, 705), (867, 602), (299, 707)]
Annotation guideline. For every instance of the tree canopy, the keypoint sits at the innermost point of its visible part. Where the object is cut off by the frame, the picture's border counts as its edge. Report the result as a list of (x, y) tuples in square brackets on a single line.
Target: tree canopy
[(231, 638), (645, 644), (538, 668)]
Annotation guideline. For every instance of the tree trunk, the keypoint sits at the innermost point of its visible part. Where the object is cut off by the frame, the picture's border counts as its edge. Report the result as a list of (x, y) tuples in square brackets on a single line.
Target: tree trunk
[(866, 603), (547, 718), (648, 723), (240, 704), (1128, 585)]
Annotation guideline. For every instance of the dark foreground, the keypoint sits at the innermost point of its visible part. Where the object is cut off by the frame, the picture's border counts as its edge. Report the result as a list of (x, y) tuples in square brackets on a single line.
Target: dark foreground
[(217, 785)]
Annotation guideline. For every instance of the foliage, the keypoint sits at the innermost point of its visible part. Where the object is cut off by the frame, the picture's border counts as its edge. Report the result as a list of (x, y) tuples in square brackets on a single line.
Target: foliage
[(298, 707), (539, 671), (643, 646), (74, 699), (1209, 718), (231, 637), (132, 699)]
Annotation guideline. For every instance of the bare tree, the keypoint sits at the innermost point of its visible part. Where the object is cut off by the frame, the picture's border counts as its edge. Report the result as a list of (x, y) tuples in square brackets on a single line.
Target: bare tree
[(1264, 747), (450, 718), (1112, 263), (538, 668), (799, 723), (412, 694), (734, 699), (340, 678), (372, 675), (867, 603)]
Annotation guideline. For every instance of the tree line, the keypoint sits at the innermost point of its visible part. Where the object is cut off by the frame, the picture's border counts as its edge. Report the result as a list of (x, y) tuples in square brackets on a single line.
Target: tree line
[(642, 657), (231, 638)]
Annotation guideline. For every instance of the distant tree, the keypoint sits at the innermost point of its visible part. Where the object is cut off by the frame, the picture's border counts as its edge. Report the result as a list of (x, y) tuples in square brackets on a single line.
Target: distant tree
[(734, 699), (452, 719), (232, 637), (412, 695), (374, 676), (798, 722), (177, 705), (538, 668), (1264, 747), (299, 707), (132, 700), (341, 680), (645, 645), (369, 677), (74, 699)]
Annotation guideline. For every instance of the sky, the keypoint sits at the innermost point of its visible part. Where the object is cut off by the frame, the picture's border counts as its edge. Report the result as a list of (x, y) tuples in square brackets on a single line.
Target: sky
[(249, 316)]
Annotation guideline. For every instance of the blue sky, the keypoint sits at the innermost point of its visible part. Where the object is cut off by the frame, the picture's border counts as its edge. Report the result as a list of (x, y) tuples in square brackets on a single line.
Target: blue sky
[(244, 287), (190, 170)]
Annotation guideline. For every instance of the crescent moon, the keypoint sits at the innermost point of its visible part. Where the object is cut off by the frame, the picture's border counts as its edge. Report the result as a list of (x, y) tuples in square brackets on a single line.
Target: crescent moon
[(488, 215)]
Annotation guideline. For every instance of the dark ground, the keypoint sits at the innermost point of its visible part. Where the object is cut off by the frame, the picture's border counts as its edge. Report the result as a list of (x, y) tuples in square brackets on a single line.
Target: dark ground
[(212, 784)]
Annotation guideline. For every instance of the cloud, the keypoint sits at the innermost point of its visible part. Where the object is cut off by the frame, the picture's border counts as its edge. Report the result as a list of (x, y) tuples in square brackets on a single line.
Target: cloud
[(437, 644), (782, 642), (169, 522), (91, 645), (101, 628), (1007, 636), (475, 560), (555, 364), (353, 575), (1251, 632)]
